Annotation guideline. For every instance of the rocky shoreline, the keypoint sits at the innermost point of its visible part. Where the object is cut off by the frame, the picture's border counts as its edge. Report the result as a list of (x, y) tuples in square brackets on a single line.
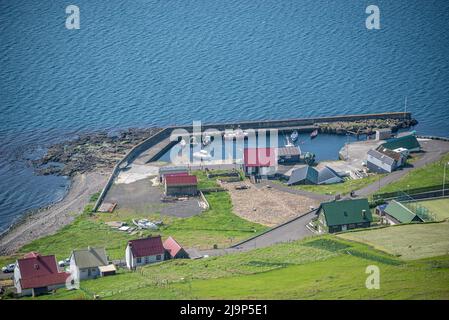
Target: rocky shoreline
[(97, 151), (363, 127)]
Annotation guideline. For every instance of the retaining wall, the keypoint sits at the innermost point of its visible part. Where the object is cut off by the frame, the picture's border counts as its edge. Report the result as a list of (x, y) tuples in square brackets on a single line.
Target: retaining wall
[(259, 124)]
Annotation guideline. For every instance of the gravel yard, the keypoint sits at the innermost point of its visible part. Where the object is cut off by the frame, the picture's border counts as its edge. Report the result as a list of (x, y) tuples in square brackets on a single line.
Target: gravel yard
[(267, 206)]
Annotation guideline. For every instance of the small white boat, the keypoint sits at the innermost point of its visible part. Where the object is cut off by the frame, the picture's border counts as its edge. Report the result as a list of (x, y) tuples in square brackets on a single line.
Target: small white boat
[(294, 136), (289, 143), (202, 155), (207, 140), (145, 224), (229, 136), (236, 134), (182, 143), (193, 141), (240, 133)]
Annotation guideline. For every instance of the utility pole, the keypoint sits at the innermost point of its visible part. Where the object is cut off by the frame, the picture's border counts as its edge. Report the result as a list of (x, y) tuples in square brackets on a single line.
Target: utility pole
[(405, 107), (444, 177)]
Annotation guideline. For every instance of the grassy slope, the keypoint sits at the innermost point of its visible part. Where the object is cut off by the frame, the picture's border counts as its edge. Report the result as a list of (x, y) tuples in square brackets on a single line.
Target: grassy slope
[(316, 268), (340, 188), (438, 207), (218, 225), (429, 175), (413, 241)]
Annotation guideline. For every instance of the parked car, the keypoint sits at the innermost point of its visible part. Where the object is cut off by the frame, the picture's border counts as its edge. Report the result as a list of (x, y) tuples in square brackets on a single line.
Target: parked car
[(9, 268), (64, 263)]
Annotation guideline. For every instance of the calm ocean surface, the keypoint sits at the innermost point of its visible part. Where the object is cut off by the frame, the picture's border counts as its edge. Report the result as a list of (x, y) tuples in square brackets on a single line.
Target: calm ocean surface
[(145, 63)]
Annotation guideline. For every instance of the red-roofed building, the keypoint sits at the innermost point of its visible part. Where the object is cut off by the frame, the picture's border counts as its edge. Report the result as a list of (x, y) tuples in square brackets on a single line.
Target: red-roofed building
[(144, 251), (181, 185), (173, 250), (35, 274), (260, 161)]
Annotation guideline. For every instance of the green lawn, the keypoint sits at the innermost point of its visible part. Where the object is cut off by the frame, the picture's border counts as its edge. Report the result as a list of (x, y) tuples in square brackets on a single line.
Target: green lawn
[(324, 267), (340, 188), (429, 175), (412, 241), (440, 207)]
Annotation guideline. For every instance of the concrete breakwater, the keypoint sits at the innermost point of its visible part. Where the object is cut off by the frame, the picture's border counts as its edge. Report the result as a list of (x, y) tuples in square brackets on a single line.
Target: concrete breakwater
[(157, 140)]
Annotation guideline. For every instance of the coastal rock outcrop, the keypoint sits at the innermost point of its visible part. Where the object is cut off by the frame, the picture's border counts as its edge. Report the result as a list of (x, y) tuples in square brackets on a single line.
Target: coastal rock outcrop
[(89, 152)]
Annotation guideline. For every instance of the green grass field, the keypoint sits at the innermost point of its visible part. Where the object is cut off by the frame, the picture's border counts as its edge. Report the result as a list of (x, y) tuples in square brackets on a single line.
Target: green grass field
[(340, 188), (440, 207), (216, 226), (322, 267), (429, 175), (412, 241)]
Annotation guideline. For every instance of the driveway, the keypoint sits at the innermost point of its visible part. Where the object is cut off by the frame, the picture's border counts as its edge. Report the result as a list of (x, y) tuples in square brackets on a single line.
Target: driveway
[(290, 231)]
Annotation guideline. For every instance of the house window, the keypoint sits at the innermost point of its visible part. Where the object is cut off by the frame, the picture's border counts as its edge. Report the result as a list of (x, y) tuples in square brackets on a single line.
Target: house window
[(139, 260), (147, 259), (158, 257)]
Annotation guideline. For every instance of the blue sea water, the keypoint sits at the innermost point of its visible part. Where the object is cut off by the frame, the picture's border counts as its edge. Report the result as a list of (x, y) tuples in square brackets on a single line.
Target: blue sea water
[(144, 63)]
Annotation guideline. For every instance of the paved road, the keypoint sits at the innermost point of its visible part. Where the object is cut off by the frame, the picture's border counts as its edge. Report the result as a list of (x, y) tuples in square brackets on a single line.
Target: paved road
[(290, 231), (434, 150)]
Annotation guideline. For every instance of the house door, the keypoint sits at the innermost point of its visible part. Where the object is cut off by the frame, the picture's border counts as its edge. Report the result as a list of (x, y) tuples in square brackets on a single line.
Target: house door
[(344, 227)]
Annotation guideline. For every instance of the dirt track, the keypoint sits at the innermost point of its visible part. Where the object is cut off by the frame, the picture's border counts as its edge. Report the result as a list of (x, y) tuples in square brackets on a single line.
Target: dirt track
[(49, 220)]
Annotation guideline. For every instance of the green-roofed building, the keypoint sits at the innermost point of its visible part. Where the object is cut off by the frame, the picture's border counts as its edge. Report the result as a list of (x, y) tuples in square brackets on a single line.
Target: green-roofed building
[(336, 216), (396, 213), (90, 263), (408, 142)]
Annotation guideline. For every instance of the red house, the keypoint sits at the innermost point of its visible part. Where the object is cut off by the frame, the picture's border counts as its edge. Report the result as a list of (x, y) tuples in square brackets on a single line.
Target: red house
[(144, 251), (36, 274), (260, 161), (173, 250)]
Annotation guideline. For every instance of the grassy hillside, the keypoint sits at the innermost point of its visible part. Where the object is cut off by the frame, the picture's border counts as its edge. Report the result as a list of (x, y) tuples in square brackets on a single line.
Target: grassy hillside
[(429, 175), (316, 268), (412, 241)]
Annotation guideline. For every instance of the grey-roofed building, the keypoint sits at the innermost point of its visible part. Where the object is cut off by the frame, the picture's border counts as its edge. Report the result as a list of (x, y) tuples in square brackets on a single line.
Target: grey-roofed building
[(90, 263), (383, 160), (310, 175), (289, 154)]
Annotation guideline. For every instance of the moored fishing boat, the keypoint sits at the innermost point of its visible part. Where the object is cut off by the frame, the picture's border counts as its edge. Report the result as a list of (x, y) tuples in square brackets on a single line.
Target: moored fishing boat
[(207, 140), (193, 141), (294, 136), (314, 134), (202, 155)]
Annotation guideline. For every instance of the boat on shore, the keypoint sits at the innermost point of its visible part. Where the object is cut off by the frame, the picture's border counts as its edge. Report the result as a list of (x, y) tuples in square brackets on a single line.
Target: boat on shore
[(314, 134)]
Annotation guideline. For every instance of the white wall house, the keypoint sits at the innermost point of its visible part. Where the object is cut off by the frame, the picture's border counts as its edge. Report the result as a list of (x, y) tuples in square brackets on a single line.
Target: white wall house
[(144, 251), (383, 160), (87, 263)]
